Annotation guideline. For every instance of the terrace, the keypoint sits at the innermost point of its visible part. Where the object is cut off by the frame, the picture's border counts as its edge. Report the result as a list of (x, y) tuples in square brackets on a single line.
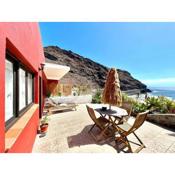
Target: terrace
[(68, 133)]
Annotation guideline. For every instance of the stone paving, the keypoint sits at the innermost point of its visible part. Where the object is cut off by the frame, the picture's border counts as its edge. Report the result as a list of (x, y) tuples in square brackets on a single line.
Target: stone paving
[(68, 133)]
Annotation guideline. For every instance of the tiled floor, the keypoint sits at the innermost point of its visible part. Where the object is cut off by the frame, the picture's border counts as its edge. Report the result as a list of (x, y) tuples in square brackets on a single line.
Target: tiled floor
[(68, 133)]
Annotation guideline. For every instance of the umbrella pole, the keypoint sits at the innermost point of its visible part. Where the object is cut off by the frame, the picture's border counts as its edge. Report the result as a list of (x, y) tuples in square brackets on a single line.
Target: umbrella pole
[(110, 106)]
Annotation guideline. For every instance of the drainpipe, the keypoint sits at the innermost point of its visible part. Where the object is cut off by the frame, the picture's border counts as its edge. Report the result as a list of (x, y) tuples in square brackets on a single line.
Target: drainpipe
[(41, 90)]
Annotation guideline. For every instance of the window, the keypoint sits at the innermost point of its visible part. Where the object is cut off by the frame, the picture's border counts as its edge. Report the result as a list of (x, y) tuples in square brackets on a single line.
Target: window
[(8, 90), (18, 89), (22, 89), (30, 88)]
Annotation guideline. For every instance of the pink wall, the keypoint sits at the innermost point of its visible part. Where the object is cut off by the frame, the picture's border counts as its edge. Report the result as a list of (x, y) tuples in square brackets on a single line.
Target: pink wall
[(24, 41)]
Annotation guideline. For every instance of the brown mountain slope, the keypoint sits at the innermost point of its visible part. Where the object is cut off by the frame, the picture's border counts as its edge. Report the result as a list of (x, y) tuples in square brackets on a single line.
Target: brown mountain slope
[(84, 71)]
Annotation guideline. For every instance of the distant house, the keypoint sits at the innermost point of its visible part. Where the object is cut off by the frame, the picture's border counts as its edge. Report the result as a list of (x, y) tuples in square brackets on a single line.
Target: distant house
[(22, 85)]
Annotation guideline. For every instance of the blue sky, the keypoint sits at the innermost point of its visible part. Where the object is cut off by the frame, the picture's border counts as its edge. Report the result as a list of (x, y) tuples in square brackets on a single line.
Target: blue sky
[(146, 50)]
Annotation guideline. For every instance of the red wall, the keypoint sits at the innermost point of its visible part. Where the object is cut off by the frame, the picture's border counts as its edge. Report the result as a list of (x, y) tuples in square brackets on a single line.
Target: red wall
[(24, 41), (26, 139)]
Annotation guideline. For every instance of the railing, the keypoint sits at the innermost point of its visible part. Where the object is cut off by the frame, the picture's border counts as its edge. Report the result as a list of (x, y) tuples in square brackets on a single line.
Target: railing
[(135, 92), (129, 92)]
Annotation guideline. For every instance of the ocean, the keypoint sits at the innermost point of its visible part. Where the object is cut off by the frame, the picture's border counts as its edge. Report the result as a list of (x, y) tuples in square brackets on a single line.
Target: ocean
[(163, 92)]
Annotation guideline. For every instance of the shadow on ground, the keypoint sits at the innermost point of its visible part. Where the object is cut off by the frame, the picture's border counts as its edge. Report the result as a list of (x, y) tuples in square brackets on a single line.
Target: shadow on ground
[(62, 111), (84, 138), (172, 134), (169, 128)]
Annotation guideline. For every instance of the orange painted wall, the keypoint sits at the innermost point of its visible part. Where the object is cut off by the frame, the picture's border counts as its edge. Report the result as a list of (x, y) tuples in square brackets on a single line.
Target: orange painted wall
[(52, 86)]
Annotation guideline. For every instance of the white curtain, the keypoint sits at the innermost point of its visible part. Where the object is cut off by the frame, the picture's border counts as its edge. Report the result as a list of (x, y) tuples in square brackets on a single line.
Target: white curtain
[(8, 90)]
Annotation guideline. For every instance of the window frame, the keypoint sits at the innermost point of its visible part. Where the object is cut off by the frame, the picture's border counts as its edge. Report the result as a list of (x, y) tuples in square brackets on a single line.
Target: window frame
[(19, 110), (16, 111)]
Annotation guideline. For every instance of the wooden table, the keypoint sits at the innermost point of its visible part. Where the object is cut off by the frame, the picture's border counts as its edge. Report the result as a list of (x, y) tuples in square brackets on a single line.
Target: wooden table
[(114, 114)]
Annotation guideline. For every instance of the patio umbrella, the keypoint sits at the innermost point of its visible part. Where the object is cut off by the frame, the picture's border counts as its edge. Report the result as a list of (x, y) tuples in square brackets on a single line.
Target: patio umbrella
[(112, 93)]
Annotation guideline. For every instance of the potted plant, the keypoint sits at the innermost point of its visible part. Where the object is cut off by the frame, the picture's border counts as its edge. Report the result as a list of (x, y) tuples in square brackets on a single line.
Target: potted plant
[(44, 124)]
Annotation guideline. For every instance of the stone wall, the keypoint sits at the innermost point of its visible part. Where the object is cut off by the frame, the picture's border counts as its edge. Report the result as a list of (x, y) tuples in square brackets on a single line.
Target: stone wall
[(82, 99), (163, 119)]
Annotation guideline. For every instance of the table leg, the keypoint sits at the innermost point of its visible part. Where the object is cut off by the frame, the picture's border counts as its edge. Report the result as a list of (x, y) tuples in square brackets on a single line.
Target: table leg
[(102, 115), (112, 121)]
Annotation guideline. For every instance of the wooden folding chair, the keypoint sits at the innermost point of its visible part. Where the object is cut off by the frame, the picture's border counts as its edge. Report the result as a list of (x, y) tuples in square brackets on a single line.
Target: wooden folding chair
[(128, 107), (126, 129), (103, 124)]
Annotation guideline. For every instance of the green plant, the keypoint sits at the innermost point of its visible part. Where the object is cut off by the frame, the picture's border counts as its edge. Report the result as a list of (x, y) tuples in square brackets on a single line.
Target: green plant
[(48, 94), (160, 104), (153, 103), (172, 107), (59, 94), (45, 120), (126, 98), (157, 104), (139, 107), (168, 104), (97, 97)]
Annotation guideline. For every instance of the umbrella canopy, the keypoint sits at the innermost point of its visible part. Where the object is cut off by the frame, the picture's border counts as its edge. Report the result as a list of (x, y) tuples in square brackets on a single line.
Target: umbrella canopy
[(112, 93)]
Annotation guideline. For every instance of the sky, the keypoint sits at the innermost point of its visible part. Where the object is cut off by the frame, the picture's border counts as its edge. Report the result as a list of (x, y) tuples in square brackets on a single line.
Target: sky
[(146, 50)]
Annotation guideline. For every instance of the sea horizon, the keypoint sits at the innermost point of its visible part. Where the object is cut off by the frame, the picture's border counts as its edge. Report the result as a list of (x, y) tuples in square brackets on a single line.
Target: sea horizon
[(163, 91)]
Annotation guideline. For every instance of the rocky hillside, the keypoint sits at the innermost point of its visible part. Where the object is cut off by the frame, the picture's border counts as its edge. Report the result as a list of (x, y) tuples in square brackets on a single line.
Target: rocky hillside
[(84, 71)]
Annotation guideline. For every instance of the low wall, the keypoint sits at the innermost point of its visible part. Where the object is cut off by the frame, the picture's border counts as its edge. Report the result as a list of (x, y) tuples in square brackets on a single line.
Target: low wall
[(163, 119), (82, 99)]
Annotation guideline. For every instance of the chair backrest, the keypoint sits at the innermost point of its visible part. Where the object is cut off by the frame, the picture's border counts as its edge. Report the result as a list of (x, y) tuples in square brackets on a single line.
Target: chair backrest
[(92, 115), (127, 107), (140, 118)]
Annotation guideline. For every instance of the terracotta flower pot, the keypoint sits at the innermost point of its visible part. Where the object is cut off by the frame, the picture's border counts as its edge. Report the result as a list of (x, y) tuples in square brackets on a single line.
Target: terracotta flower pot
[(44, 127)]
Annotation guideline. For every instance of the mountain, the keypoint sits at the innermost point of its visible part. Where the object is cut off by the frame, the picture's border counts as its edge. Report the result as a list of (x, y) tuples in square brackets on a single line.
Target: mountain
[(84, 71)]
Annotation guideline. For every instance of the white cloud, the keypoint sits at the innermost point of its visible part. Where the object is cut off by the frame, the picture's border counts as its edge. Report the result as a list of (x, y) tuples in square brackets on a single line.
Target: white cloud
[(159, 81)]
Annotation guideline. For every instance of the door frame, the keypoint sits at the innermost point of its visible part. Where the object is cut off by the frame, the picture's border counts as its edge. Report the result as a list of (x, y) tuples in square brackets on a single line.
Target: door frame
[(40, 96)]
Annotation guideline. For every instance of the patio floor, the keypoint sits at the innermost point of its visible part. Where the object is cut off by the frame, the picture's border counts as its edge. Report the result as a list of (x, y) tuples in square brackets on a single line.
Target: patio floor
[(68, 133)]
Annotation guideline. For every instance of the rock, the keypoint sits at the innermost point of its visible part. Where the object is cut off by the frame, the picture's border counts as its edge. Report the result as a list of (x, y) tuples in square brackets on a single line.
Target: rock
[(84, 71)]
